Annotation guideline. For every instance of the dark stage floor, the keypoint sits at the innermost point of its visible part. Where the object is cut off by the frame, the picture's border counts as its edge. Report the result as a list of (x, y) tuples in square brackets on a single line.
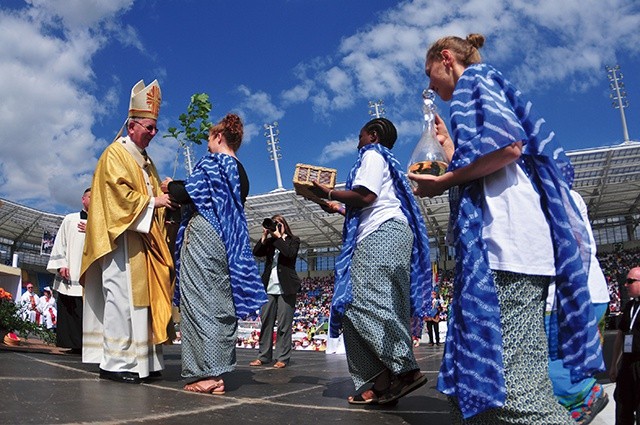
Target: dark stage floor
[(42, 388)]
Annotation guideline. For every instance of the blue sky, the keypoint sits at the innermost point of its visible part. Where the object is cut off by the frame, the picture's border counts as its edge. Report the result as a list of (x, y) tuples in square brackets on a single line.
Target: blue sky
[(67, 67)]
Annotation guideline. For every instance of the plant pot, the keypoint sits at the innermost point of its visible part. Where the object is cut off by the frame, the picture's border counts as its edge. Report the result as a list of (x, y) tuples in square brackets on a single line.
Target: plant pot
[(9, 338)]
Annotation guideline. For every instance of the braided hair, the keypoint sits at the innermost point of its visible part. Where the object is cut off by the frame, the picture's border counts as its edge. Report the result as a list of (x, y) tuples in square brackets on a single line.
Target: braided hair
[(384, 130)]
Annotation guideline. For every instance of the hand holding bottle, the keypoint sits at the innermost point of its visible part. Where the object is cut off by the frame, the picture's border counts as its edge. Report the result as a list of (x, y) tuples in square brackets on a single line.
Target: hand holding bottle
[(427, 185)]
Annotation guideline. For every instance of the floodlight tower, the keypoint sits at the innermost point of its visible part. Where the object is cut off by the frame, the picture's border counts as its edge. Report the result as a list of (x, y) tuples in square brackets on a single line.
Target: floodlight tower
[(271, 133), (618, 96), (188, 159), (376, 109)]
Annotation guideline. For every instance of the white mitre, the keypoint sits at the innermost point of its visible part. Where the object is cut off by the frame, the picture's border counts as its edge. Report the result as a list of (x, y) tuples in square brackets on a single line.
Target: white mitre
[(145, 100)]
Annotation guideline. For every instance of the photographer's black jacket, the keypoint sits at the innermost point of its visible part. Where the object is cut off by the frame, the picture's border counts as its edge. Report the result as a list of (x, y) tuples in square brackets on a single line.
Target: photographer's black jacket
[(289, 280)]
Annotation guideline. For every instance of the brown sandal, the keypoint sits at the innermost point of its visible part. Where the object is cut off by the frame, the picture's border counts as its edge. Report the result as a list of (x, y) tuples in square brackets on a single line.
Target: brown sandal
[(216, 388), (256, 362)]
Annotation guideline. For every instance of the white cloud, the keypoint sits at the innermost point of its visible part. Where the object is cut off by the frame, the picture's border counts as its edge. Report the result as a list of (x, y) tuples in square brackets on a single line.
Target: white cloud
[(535, 43), (339, 149), (251, 130), (46, 108), (126, 35), (76, 14), (409, 131), (260, 104), (339, 82), (256, 109), (49, 105), (297, 94)]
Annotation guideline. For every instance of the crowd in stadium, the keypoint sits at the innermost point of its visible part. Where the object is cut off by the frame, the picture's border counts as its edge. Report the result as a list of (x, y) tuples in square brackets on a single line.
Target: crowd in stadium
[(314, 300), (615, 266)]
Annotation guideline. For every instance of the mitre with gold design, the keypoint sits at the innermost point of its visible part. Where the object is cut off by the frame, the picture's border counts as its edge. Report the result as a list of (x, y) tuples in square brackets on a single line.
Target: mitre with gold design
[(145, 100)]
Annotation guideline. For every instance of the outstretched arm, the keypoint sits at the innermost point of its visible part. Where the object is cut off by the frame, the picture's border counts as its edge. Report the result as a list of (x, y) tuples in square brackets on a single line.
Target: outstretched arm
[(358, 197)]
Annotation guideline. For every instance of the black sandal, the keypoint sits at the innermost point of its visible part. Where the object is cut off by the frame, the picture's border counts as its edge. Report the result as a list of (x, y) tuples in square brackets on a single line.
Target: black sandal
[(359, 399), (403, 385)]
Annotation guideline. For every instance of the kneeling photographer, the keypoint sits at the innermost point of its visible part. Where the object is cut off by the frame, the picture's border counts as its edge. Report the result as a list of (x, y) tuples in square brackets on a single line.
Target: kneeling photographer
[(280, 248)]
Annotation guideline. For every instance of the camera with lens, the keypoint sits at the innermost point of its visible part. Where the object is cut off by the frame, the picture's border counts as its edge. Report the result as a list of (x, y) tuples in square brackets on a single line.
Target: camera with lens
[(269, 224)]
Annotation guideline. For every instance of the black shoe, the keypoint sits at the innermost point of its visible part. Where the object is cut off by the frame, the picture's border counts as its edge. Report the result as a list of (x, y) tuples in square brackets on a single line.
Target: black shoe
[(153, 376), (124, 377)]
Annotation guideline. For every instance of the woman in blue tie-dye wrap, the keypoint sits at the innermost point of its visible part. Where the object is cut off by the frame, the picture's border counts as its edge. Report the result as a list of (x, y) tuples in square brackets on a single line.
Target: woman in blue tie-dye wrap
[(515, 227)]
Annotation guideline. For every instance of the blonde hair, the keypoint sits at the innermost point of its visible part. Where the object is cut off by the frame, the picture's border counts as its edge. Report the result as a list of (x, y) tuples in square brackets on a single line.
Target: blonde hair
[(465, 50)]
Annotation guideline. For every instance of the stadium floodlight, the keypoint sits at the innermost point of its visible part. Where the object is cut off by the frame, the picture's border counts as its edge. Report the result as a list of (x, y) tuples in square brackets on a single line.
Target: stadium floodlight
[(376, 108), (271, 133), (618, 96)]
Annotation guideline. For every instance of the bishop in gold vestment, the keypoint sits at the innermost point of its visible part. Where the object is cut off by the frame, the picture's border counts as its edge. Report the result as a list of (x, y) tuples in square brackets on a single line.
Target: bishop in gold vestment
[(126, 265)]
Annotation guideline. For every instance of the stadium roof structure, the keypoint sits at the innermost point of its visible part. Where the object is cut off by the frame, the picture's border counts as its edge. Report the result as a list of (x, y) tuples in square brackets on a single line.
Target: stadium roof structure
[(608, 178)]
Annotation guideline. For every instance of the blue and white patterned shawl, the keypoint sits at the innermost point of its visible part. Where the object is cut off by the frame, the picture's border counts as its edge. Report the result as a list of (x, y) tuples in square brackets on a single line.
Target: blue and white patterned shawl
[(487, 114), (214, 188), (420, 261)]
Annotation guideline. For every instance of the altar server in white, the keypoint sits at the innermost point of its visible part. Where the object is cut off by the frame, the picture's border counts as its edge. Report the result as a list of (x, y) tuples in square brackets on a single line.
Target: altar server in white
[(64, 262)]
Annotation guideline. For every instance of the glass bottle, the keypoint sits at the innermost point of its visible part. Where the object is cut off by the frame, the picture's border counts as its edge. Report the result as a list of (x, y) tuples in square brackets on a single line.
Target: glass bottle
[(428, 157)]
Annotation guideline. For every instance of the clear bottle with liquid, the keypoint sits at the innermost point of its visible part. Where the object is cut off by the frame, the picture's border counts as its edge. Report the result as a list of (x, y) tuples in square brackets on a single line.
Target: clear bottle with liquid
[(428, 157)]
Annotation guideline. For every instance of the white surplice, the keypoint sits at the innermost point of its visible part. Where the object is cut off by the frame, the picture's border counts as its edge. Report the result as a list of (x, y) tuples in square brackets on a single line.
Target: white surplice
[(117, 334), (67, 253)]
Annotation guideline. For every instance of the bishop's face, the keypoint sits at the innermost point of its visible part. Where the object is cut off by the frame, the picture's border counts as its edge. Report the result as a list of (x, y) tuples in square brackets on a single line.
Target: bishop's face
[(141, 131)]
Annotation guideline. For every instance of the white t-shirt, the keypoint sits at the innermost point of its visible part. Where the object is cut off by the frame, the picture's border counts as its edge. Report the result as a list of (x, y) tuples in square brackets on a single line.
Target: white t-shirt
[(597, 282), (515, 230), (374, 174), (598, 289)]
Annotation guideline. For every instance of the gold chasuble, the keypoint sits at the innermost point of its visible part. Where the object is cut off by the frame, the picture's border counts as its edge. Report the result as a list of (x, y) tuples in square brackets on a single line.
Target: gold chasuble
[(118, 197)]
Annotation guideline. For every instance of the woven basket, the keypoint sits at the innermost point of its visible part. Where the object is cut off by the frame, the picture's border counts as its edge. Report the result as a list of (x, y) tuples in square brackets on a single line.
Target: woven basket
[(306, 174)]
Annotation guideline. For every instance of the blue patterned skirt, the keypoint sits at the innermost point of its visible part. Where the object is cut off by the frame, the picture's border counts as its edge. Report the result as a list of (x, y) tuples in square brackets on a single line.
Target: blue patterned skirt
[(376, 324), (208, 319), (530, 399)]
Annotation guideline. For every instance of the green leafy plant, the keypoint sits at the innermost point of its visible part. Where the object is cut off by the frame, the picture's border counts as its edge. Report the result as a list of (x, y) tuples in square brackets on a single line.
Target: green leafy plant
[(195, 123), (11, 321), (195, 128)]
